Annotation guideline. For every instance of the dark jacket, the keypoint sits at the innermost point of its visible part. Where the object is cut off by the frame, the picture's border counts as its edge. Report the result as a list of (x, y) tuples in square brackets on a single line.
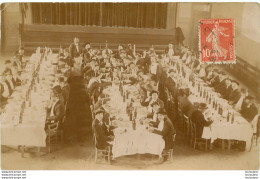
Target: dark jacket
[(58, 112), (249, 112), (171, 86), (186, 106), (101, 133), (73, 51), (158, 100), (167, 133), (234, 96), (198, 118)]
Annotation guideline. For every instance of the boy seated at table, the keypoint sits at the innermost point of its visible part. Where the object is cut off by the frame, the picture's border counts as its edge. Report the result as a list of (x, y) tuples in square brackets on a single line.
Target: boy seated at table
[(165, 129), (102, 134)]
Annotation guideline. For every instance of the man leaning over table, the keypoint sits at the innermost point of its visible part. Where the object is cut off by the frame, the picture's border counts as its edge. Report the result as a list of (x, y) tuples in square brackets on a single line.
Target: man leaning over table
[(165, 129), (200, 119), (102, 134)]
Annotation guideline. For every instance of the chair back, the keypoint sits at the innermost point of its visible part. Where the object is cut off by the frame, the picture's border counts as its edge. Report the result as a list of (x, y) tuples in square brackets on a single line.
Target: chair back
[(52, 128), (186, 120), (193, 129), (92, 112), (66, 106), (167, 94), (174, 137), (255, 124)]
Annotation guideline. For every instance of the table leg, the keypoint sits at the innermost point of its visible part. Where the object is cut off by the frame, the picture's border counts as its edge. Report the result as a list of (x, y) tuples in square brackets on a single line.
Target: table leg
[(38, 151), (229, 144), (22, 151), (210, 145), (222, 144)]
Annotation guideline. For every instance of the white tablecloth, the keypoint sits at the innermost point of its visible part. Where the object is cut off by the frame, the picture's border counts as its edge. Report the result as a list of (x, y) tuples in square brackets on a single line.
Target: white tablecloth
[(139, 141), (23, 134)]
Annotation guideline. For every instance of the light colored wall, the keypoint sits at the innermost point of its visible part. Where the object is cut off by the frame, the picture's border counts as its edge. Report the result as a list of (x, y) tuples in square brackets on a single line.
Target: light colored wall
[(183, 20), (12, 18), (245, 47)]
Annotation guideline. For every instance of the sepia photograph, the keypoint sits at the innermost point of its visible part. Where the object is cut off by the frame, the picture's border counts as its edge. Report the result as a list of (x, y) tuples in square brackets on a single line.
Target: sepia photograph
[(130, 85)]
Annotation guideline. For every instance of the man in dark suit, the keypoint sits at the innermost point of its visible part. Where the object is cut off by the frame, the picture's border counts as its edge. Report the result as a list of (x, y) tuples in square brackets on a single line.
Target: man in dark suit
[(75, 48), (227, 90), (164, 128), (248, 109), (55, 112), (220, 87), (184, 103), (235, 94), (200, 119), (170, 82), (215, 80), (101, 131)]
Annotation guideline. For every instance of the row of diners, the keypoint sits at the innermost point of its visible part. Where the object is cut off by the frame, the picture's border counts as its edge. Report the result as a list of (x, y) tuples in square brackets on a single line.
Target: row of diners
[(165, 95)]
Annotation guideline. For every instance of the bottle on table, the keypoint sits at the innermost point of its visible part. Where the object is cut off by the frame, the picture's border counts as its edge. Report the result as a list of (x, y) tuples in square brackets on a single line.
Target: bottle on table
[(233, 118), (228, 116)]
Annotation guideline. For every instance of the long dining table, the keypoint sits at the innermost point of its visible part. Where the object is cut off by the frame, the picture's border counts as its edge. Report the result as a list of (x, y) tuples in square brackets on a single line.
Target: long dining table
[(131, 133), (223, 126)]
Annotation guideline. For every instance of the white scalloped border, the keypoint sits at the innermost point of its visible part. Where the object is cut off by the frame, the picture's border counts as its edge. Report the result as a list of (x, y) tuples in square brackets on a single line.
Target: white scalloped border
[(220, 62)]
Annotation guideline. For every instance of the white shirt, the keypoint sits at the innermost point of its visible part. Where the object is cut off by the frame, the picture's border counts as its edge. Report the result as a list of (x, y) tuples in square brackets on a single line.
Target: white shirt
[(52, 109), (170, 52), (11, 84), (160, 126), (6, 92), (154, 68), (77, 47)]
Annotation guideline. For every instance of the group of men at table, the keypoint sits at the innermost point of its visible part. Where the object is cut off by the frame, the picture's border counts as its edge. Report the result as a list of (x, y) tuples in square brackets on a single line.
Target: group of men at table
[(11, 78), (144, 70), (10, 75)]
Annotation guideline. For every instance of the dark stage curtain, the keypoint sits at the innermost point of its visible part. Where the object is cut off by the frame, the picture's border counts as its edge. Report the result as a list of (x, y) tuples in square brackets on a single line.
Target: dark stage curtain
[(138, 15)]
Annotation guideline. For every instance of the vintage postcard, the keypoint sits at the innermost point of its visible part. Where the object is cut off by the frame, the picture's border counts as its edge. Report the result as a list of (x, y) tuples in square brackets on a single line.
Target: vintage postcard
[(130, 86)]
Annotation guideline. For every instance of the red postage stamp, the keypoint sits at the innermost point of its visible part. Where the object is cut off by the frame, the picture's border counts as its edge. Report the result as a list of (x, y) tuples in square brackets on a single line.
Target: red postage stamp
[(216, 41)]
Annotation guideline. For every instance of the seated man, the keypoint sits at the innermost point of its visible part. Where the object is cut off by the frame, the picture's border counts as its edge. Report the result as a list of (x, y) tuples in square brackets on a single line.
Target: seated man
[(151, 99), (55, 111), (248, 108), (65, 89), (102, 133), (184, 103), (227, 89), (164, 128), (200, 119), (153, 114), (235, 94)]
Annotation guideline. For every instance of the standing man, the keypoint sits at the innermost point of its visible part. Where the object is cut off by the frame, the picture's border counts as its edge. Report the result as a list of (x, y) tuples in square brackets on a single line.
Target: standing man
[(75, 49)]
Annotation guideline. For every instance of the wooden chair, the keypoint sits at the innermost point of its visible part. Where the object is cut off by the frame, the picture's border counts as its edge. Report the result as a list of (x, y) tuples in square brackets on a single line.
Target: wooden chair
[(92, 112), (102, 153), (169, 152), (52, 135), (167, 101), (194, 139), (186, 126), (180, 119), (60, 131)]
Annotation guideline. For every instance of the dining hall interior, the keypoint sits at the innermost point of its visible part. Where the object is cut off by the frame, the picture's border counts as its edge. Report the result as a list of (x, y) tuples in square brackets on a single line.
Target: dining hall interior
[(121, 86)]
